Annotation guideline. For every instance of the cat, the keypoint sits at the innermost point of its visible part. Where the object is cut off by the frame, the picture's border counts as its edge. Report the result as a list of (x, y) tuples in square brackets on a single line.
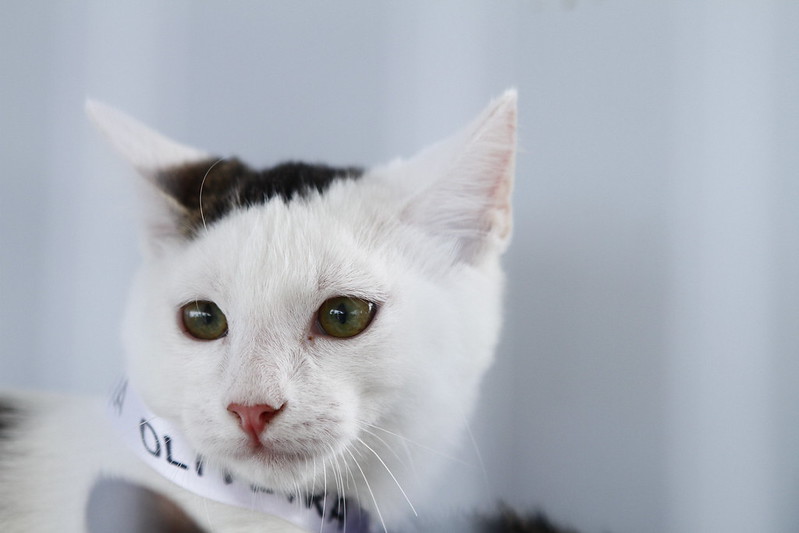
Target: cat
[(314, 333)]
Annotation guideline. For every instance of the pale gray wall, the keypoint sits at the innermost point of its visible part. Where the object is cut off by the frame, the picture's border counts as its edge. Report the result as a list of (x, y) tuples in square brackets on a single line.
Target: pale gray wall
[(647, 380)]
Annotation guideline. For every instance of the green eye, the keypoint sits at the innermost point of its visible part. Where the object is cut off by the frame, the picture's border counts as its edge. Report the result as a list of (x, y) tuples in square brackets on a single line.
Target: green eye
[(203, 320), (344, 316)]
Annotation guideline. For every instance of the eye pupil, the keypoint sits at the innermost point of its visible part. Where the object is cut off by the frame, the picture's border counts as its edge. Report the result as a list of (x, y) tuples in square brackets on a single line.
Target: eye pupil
[(206, 314), (345, 316), (340, 313)]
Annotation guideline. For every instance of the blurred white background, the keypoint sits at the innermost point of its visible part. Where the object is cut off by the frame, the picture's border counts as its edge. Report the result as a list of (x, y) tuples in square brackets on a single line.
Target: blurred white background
[(647, 380)]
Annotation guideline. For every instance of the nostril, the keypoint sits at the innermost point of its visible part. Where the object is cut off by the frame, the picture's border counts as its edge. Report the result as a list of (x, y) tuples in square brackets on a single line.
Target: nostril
[(266, 416), (233, 409)]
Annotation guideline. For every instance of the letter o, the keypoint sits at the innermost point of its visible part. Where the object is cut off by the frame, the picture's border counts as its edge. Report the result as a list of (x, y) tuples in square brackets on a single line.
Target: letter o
[(152, 445)]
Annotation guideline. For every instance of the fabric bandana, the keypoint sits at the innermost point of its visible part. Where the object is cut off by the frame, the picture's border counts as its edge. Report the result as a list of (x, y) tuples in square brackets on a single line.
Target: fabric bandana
[(163, 448)]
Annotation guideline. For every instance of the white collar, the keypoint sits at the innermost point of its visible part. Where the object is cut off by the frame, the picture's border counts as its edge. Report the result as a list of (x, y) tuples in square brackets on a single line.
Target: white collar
[(162, 446)]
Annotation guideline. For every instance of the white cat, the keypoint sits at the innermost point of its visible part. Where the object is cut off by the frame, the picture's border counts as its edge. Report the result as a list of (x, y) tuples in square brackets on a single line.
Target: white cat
[(306, 330)]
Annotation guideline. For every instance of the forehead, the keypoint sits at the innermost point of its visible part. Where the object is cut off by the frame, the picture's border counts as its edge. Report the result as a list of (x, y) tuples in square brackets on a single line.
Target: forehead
[(321, 244), (211, 189)]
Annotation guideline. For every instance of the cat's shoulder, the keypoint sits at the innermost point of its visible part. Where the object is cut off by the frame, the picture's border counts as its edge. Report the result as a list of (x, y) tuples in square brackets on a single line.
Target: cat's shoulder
[(61, 456), (49, 446), (42, 432), (24, 411)]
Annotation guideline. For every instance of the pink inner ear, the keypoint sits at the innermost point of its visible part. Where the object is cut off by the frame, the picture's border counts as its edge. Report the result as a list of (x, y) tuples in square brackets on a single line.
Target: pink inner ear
[(502, 221), (472, 180)]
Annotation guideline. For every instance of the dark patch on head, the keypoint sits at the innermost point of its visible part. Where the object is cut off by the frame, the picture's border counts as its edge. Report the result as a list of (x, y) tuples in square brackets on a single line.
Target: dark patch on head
[(118, 506), (227, 184)]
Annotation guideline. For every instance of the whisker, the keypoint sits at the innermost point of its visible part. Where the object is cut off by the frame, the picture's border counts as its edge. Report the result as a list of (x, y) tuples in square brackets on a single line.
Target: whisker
[(410, 460), (422, 446), (313, 475), (476, 450), (390, 473), (202, 184), (340, 487), (302, 492), (305, 496), (324, 495), (387, 446), (337, 475), (377, 507), (351, 477), (207, 514), (351, 473)]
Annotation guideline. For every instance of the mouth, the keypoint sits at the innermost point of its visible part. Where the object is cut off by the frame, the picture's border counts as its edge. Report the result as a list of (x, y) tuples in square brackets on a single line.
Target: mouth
[(270, 454)]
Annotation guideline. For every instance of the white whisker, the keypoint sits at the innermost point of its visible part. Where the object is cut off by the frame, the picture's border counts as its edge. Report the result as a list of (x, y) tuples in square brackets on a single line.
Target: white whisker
[(410, 460), (369, 488), (324, 495), (390, 473), (476, 450), (313, 476), (338, 478), (207, 515), (202, 184), (422, 446), (385, 444)]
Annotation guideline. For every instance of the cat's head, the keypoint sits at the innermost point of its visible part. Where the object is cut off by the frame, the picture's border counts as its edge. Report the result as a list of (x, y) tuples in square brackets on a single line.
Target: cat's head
[(298, 320)]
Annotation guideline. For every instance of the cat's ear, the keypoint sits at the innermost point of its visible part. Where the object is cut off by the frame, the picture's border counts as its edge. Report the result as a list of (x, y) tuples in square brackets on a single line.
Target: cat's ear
[(152, 155), (147, 150), (471, 175)]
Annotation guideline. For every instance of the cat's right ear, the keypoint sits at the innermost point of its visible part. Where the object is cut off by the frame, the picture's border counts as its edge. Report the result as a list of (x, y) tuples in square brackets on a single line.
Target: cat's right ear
[(151, 154), (464, 184)]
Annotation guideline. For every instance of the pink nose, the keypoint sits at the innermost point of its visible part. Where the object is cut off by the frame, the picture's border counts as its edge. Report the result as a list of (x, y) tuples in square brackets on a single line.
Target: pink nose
[(254, 418)]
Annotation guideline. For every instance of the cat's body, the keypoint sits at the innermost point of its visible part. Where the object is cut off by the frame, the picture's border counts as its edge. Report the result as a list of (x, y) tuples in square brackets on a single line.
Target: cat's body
[(308, 329)]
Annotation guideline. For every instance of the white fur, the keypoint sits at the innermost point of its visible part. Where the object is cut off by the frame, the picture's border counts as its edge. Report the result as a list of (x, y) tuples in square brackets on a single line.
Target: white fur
[(422, 238)]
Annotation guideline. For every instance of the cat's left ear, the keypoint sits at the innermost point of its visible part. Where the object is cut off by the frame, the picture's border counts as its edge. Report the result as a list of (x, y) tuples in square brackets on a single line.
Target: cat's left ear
[(147, 150), (151, 154), (469, 176)]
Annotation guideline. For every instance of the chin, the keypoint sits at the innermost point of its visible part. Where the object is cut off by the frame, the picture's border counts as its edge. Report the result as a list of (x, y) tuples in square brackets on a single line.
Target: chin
[(272, 463)]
